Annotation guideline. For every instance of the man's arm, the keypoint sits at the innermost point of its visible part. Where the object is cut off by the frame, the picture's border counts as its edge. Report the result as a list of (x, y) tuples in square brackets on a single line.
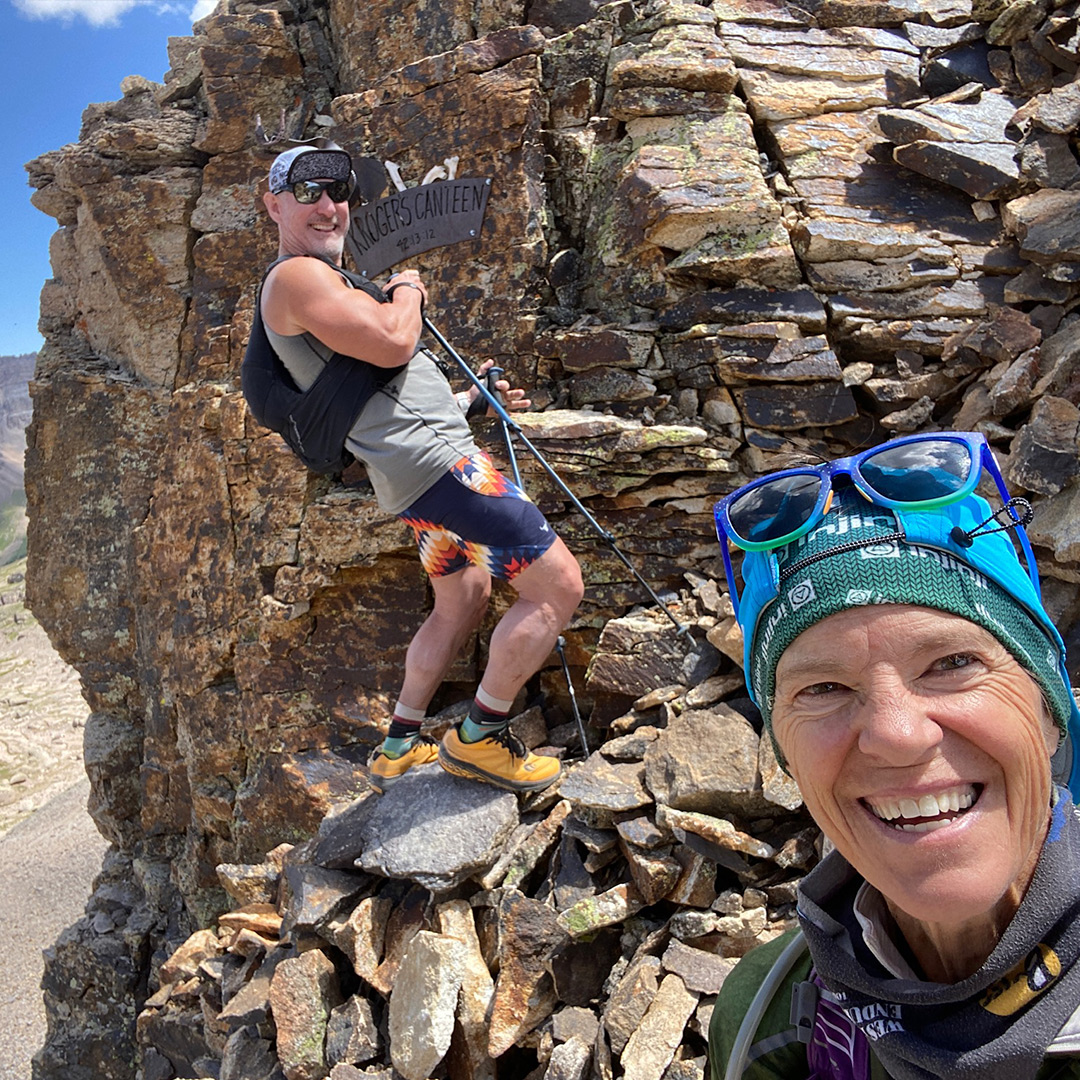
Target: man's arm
[(304, 295)]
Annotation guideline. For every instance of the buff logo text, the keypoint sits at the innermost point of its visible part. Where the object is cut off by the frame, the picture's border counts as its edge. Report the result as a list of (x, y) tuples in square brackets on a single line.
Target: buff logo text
[(876, 1020), (769, 629), (841, 525), (947, 562)]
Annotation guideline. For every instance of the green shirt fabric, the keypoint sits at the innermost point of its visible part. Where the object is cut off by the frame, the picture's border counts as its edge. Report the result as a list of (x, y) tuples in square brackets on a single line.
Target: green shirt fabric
[(776, 1053)]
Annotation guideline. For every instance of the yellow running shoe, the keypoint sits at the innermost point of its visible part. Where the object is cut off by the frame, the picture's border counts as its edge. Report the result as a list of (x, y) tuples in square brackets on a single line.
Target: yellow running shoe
[(500, 759), (384, 771)]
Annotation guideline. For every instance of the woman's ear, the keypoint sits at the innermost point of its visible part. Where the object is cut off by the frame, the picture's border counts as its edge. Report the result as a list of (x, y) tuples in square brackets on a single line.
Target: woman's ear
[(1051, 732)]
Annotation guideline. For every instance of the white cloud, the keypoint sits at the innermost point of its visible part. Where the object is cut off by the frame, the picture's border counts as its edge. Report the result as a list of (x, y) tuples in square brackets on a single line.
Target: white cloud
[(103, 12), (95, 12)]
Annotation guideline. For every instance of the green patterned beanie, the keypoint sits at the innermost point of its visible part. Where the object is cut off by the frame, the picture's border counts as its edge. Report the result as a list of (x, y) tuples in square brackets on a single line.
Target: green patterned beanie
[(858, 556)]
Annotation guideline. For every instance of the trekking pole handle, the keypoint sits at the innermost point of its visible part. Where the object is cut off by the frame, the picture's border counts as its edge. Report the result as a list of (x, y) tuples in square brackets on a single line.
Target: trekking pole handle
[(494, 374), (496, 405)]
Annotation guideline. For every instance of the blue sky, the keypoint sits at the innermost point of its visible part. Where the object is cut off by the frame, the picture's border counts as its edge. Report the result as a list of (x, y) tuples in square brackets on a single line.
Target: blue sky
[(57, 57)]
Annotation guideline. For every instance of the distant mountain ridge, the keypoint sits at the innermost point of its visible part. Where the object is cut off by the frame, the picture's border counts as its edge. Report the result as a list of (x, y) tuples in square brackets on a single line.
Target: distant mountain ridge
[(15, 406)]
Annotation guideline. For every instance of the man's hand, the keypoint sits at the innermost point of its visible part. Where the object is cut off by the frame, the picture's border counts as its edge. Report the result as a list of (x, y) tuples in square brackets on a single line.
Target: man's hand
[(514, 398)]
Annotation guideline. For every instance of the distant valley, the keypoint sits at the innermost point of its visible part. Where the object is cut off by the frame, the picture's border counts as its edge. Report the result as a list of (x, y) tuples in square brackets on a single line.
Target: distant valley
[(15, 375)]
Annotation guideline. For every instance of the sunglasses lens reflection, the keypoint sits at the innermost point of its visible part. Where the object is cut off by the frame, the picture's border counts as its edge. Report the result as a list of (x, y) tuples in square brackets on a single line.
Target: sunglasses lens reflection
[(913, 473), (775, 509), (310, 191), (918, 472)]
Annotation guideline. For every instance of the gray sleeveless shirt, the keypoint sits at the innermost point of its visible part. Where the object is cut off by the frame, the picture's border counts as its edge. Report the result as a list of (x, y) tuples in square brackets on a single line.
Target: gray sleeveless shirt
[(411, 431)]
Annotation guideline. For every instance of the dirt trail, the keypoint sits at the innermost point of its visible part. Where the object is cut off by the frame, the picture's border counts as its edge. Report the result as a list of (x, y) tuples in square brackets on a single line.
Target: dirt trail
[(48, 862), (42, 713), (50, 850)]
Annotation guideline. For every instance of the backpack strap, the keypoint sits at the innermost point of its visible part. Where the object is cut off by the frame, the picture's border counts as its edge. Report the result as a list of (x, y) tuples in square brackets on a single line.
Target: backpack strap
[(357, 281), (805, 997), (315, 422), (836, 1048), (834, 1045), (744, 1038)]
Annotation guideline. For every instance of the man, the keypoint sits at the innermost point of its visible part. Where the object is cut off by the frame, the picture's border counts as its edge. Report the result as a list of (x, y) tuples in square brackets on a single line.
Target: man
[(470, 522)]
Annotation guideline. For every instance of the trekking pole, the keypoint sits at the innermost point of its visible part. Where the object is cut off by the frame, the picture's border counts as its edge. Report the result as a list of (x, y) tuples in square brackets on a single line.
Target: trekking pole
[(511, 427), (493, 376), (560, 648)]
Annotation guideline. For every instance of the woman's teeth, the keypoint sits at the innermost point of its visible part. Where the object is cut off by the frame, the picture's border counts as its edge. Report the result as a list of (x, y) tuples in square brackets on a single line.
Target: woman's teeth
[(927, 812)]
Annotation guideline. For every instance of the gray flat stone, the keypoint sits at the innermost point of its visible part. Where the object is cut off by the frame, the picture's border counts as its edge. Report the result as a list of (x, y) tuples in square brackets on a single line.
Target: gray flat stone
[(430, 827), (983, 170)]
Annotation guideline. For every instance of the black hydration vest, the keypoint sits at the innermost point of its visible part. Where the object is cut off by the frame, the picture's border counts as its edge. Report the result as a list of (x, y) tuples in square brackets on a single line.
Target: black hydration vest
[(314, 422)]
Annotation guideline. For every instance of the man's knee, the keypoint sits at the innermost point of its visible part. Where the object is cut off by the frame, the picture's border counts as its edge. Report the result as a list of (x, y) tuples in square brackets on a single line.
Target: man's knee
[(554, 579), (574, 587)]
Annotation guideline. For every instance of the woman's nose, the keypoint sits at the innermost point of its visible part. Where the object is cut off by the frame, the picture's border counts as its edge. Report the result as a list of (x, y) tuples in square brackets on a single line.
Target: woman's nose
[(896, 728)]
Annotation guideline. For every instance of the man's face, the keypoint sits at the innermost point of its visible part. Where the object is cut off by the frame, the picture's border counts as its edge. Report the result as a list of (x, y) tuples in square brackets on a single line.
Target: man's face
[(922, 750), (317, 228)]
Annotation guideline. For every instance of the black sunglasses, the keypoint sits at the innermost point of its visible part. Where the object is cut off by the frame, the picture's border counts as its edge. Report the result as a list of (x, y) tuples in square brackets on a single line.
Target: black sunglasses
[(310, 191)]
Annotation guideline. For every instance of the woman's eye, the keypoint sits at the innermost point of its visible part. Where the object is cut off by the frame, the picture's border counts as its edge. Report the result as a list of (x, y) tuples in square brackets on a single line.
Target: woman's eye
[(953, 662), (822, 688)]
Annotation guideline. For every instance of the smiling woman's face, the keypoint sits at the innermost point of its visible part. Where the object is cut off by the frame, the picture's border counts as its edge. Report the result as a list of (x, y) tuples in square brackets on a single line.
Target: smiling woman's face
[(922, 751)]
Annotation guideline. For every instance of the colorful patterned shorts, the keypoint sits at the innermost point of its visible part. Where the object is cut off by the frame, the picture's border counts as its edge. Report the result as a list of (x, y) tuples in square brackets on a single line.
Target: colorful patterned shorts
[(474, 515)]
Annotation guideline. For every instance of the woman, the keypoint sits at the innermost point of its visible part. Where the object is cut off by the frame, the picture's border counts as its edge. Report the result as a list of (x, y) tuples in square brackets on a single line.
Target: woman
[(914, 686)]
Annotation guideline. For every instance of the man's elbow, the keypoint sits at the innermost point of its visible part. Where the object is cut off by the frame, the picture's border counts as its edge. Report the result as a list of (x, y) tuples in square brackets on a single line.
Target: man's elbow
[(397, 351)]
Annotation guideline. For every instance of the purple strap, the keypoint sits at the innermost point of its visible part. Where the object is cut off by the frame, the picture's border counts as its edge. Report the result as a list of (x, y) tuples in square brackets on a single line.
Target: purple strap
[(838, 1050)]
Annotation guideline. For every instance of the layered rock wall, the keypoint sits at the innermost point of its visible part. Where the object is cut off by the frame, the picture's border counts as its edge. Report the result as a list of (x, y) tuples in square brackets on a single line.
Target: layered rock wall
[(715, 233)]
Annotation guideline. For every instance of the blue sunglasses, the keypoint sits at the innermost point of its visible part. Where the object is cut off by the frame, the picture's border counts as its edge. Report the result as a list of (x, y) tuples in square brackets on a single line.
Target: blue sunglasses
[(915, 472)]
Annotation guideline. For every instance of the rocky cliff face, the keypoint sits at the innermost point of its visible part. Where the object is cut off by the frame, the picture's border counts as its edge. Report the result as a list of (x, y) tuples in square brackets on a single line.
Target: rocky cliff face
[(715, 233)]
